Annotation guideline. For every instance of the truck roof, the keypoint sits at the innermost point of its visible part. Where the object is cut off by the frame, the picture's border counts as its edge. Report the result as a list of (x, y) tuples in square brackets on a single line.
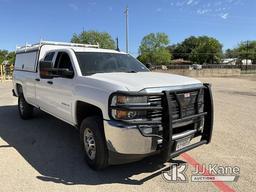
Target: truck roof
[(81, 49)]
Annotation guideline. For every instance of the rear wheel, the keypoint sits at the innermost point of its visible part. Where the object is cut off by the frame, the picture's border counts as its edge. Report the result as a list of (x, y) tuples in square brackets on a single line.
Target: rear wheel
[(93, 143), (25, 109)]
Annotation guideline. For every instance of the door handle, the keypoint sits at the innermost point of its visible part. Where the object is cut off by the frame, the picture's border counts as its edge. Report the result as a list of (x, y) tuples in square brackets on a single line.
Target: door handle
[(37, 79), (50, 82)]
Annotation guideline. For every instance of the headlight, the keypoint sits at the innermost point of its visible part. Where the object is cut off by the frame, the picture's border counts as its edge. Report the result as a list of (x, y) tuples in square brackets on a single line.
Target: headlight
[(134, 108), (128, 100), (118, 104)]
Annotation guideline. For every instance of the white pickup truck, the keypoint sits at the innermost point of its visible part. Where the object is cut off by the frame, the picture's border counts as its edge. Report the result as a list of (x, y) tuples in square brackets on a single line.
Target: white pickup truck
[(123, 111)]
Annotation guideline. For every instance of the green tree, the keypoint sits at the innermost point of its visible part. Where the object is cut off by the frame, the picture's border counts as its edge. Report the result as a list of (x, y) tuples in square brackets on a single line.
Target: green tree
[(184, 49), (230, 53), (246, 50), (153, 49), (3, 55), (11, 57), (202, 49), (93, 37)]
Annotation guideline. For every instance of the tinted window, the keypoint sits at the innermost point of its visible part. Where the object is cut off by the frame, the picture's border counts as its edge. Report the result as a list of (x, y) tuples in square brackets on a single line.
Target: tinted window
[(49, 56), (63, 61), (91, 63)]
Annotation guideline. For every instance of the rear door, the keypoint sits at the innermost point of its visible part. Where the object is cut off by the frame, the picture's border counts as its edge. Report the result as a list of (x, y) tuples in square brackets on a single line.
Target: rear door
[(43, 88)]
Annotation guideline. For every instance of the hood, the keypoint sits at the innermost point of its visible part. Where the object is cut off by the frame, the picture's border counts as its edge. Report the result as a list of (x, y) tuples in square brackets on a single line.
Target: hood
[(142, 80)]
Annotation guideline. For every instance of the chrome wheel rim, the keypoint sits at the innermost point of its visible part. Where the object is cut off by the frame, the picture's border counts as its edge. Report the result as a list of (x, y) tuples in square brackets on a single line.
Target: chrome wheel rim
[(89, 143)]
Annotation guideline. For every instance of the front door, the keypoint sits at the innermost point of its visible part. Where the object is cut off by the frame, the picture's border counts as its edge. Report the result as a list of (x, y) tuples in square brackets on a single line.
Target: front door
[(62, 89), (55, 94)]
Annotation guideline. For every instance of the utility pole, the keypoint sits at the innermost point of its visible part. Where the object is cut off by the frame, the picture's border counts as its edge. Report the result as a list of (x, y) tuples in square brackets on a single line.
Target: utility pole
[(117, 44), (126, 29), (247, 52)]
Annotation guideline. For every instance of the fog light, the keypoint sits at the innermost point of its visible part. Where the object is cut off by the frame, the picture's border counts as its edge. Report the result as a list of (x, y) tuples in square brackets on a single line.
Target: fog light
[(146, 129), (121, 114)]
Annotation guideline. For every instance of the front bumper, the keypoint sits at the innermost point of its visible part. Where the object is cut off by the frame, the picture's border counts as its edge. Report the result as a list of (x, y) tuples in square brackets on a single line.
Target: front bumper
[(125, 143), (126, 140)]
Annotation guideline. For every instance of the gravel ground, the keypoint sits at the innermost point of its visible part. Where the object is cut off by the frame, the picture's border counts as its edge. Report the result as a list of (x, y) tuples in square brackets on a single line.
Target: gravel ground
[(43, 154)]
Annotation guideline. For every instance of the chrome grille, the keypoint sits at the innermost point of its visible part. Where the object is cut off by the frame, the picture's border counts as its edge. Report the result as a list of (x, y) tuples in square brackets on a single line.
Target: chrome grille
[(181, 106), (155, 114)]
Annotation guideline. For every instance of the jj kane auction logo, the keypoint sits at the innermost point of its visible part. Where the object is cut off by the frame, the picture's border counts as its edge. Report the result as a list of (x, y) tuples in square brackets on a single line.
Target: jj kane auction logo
[(202, 173)]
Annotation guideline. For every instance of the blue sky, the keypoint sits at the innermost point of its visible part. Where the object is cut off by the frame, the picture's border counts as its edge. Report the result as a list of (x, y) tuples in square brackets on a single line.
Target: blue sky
[(230, 21)]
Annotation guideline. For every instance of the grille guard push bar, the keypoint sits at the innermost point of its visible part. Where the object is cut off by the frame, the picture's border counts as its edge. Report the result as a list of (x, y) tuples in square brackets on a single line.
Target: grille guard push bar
[(167, 151), (167, 121)]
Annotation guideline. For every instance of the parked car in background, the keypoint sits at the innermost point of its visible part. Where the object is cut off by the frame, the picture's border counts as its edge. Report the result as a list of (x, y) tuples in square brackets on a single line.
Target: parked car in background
[(197, 66)]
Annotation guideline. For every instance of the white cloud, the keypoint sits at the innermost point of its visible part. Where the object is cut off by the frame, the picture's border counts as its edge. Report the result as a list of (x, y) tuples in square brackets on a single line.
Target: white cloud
[(180, 3), (190, 2), (73, 6), (217, 8), (224, 16), (196, 3), (202, 11)]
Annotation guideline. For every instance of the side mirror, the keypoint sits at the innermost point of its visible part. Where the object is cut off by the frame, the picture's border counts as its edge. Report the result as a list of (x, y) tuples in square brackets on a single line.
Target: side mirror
[(48, 72), (45, 69)]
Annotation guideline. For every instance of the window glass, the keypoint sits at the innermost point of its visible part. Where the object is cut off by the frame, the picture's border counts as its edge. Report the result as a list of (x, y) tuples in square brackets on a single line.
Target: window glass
[(92, 62), (63, 61), (49, 56)]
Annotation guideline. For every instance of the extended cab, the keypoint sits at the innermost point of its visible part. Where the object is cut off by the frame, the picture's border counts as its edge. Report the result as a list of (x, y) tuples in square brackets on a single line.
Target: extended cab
[(123, 111)]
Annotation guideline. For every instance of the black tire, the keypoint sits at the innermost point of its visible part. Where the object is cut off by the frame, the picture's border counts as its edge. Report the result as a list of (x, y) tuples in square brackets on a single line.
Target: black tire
[(25, 109), (95, 125)]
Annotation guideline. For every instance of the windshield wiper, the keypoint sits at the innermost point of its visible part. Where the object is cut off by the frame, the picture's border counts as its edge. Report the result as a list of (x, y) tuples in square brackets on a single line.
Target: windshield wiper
[(131, 71)]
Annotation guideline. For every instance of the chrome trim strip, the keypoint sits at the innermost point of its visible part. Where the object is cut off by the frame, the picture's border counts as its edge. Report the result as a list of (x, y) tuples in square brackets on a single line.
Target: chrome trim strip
[(172, 88), (183, 134)]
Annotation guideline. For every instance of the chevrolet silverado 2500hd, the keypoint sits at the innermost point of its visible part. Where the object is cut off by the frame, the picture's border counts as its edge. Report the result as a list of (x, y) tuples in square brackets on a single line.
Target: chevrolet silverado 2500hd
[(123, 111)]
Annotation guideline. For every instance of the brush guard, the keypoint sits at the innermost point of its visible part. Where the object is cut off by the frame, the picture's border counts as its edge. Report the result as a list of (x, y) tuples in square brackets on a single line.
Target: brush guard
[(168, 148)]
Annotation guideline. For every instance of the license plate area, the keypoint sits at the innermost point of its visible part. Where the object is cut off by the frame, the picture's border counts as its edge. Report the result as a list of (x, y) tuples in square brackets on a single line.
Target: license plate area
[(181, 143)]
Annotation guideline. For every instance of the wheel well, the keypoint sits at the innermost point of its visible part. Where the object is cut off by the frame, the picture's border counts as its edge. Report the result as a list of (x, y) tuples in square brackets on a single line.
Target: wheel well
[(84, 110), (19, 89)]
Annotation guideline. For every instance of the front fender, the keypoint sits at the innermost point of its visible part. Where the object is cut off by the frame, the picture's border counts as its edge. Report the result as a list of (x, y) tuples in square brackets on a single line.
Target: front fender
[(93, 96)]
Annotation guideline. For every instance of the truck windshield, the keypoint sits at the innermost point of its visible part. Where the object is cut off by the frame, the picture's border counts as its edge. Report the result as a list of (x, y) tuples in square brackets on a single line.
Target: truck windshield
[(95, 62)]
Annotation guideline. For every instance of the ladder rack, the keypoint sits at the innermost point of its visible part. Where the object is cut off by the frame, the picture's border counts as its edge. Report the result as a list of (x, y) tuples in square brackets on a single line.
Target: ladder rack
[(37, 45)]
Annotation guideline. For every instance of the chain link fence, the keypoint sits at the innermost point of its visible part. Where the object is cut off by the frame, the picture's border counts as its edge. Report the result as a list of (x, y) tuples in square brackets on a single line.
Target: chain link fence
[(244, 68)]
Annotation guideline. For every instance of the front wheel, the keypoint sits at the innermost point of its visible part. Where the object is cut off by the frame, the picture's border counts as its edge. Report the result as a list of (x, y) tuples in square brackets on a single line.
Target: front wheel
[(25, 109), (93, 143)]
